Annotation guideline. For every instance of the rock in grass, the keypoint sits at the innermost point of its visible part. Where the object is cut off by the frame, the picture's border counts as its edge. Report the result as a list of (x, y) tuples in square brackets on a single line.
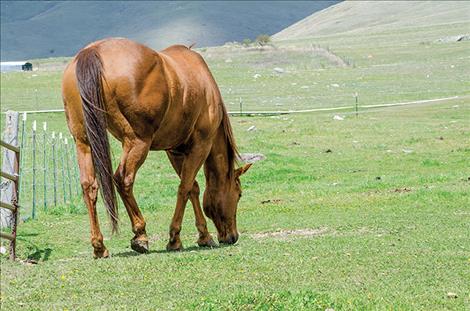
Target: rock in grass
[(451, 295), (338, 118), (278, 70), (458, 38), (251, 128), (252, 157)]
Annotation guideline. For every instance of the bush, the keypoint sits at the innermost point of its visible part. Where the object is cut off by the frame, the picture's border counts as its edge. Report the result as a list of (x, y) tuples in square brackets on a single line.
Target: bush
[(246, 42), (263, 39)]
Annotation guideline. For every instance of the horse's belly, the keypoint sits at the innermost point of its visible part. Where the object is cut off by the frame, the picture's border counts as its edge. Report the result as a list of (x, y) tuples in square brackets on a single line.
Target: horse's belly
[(170, 137)]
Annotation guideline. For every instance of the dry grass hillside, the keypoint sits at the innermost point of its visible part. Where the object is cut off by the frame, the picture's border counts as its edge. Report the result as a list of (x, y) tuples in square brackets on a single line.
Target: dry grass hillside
[(372, 16)]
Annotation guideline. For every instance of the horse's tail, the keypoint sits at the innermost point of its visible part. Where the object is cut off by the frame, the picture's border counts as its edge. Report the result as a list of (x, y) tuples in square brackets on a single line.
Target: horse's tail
[(232, 150), (89, 72)]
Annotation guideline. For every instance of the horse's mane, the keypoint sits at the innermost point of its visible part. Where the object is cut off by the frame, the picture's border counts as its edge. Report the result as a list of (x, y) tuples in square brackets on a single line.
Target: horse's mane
[(232, 151)]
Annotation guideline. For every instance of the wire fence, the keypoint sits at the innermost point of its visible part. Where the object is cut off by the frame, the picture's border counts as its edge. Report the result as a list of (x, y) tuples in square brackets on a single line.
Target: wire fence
[(49, 175)]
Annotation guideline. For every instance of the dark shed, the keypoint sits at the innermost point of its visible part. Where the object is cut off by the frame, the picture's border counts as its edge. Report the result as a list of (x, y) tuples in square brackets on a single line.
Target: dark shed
[(27, 67)]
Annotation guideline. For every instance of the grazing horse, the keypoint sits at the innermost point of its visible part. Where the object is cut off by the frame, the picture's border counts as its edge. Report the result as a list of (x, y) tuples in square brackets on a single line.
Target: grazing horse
[(151, 100)]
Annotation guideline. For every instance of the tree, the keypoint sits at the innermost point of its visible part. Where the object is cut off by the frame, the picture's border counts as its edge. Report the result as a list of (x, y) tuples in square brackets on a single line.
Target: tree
[(246, 42)]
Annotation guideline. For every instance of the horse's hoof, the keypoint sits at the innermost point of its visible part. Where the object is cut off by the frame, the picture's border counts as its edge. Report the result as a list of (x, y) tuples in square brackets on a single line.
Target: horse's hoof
[(207, 242), (140, 246), (174, 247), (102, 253)]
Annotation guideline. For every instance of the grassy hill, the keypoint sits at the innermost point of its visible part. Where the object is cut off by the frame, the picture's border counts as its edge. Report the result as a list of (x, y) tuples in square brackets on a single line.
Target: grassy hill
[(36, 29), (373, 16)]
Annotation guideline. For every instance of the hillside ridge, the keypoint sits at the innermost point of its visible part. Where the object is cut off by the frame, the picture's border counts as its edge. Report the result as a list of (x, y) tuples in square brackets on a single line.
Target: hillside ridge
[(367, 16)]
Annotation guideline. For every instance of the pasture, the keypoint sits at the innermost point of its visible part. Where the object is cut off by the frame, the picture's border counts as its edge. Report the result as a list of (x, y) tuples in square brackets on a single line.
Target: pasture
[(371, 212)]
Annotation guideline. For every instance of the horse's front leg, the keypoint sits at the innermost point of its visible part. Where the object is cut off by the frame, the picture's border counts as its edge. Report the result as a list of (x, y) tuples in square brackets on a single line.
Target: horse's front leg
[(134, 153), (192, 162), (90, 192), (205, 239)]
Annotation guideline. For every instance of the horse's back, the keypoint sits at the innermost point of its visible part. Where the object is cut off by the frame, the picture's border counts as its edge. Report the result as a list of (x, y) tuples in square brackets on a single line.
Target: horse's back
[(192, 70), (159, 96), (196, 79)]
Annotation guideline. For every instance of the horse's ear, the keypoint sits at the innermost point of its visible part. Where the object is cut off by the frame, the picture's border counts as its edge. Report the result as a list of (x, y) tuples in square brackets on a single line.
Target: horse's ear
[(242, 170)]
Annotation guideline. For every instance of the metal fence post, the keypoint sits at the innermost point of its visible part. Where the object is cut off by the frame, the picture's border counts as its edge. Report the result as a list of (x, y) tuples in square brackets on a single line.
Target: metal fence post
[(75, 165), (23, 139), (63, 170), (357, 112), (54, 171), (68, 167), (33, 214), (44, 195)]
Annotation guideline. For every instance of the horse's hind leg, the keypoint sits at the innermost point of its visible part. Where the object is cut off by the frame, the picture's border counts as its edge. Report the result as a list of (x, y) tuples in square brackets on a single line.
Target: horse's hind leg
[(205, 239), (134, 153), (90, 193)]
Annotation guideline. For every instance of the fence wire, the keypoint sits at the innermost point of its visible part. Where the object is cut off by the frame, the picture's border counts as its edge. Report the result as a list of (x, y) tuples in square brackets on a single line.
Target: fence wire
[(49, 175)]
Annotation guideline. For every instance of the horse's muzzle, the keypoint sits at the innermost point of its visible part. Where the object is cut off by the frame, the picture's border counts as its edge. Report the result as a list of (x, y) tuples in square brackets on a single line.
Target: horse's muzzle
[(229, 239)]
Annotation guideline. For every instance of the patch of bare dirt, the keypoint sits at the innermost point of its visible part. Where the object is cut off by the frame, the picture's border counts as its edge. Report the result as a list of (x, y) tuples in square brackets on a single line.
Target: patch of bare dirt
[(285, 234), (402, 190), (322, 231), (272, 201), (154, 238)]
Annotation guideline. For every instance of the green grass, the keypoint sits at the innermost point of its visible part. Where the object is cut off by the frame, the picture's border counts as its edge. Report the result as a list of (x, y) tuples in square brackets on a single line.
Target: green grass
[(366, 226), (380, 246)]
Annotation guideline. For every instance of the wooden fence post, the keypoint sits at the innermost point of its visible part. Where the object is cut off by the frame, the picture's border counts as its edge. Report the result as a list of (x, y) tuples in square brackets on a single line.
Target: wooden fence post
[(10, 136), (13, 204)]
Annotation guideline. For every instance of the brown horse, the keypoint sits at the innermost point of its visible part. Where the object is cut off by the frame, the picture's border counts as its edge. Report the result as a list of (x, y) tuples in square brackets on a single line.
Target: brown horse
[(151, 101)]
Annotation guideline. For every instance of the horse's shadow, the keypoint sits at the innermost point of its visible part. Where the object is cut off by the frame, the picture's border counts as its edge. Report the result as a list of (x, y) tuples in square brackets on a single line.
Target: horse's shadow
[(40, 254), (193, 248), (35, 253)]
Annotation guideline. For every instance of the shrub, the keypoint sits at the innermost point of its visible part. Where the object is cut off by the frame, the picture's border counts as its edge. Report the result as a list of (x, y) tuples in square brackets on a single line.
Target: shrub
[(246, 42), (263, 39)]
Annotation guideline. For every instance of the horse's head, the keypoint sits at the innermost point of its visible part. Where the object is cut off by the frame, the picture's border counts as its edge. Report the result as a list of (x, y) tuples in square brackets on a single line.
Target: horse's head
[(220, 205)]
